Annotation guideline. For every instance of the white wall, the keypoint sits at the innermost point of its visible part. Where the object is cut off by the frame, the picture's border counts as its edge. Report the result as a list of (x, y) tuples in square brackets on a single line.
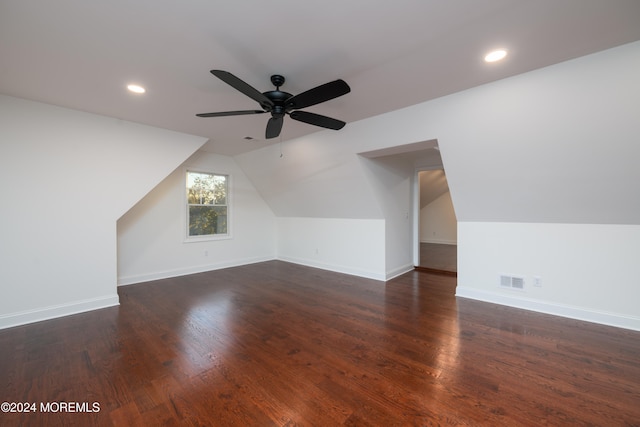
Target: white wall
[(390, 178), (318, 191), (335, 175), (438, 221), (558, 148), (589, 272), (351, 246), (65, 178), (558, 145), (151, 236)]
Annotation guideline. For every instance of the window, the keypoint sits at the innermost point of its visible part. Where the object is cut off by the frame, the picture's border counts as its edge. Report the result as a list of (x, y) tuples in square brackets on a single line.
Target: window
[(207, 204)]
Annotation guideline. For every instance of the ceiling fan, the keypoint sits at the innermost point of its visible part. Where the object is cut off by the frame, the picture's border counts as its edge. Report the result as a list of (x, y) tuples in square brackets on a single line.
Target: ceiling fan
[(279, 103)]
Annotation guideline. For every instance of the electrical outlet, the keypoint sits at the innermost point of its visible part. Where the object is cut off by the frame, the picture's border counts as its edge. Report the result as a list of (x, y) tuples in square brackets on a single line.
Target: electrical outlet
[(206, 252), (537, 281)]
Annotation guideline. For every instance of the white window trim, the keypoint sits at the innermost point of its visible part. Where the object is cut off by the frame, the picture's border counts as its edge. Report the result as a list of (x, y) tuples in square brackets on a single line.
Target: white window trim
[(185, 209)]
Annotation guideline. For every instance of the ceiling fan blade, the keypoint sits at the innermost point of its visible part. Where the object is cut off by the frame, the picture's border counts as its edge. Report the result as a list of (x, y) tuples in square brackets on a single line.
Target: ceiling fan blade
[(274, 126), (231, 113), (318, 94), (317, 120), (243, 87)]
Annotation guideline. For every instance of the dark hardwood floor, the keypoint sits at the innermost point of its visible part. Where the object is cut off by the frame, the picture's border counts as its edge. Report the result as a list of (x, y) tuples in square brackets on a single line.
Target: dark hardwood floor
[(438, 257), (276, 344)]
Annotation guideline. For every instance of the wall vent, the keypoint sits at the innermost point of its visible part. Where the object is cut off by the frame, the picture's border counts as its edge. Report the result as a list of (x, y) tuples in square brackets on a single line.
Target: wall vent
[(512, 282)]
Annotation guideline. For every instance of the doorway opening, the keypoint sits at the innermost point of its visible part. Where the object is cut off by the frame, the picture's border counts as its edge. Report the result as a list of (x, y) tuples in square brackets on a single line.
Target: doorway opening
[(435, 230)]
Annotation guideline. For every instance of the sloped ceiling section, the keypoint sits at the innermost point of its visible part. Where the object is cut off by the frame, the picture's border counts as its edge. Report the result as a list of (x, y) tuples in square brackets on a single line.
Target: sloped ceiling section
[(433, 184), (314, 176), (324, 176), (556, 145), (403, 161)]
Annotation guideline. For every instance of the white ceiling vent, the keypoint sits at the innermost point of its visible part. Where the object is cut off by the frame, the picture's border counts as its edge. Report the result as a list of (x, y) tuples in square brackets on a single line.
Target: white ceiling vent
[(512, 282)]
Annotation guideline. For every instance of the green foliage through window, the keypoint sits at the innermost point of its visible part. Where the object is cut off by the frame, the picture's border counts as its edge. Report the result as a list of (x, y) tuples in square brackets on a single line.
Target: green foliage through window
[(207, 196)]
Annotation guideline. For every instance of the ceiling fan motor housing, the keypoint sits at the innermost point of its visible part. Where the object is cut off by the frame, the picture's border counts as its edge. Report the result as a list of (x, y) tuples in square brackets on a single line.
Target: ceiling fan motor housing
[(278, 98)]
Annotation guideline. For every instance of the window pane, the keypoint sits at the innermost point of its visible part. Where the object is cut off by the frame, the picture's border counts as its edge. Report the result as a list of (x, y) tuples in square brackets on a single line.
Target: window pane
[(206, 189), (205, 220), (207, 199), (220, 189)]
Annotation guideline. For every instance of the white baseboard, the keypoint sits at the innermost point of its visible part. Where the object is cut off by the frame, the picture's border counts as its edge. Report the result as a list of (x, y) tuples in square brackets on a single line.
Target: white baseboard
[(130, 280), (55, 311), (572, 312), (334, 267), (399, 271)]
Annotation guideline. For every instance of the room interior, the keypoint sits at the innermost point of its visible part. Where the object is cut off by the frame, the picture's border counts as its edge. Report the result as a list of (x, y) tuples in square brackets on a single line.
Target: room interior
[(539, 150), (438, 250)]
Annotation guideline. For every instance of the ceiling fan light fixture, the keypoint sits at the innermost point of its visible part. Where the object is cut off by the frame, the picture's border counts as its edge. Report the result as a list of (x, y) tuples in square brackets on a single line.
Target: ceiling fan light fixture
[(136, 88), (495, 55)]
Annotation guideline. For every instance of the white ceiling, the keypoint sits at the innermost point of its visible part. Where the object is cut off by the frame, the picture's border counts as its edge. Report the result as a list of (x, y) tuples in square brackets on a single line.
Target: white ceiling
[(81, 54)]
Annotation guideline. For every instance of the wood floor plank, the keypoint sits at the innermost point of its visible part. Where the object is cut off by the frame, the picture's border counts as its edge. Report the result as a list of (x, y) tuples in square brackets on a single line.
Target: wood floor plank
[(278, 344)]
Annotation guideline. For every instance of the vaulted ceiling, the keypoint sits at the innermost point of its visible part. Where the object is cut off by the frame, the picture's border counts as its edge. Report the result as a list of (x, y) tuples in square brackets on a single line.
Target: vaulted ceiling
[(81, 55)]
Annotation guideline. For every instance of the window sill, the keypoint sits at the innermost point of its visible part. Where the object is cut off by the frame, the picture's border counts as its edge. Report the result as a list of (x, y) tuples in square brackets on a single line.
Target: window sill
[(208, 238)]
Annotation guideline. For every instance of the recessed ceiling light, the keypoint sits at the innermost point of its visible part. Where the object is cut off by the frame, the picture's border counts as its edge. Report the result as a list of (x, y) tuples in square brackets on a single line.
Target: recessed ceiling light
[(136, 89), (495, 55)]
